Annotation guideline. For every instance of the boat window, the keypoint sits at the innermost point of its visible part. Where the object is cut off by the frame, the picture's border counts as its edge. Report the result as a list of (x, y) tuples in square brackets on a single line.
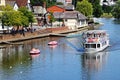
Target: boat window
[(93, 45), (90, 45), (98, 45), (87, 45)]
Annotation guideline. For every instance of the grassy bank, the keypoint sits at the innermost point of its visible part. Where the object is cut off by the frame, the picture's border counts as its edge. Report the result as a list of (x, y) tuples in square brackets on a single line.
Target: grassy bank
[(106, 15)]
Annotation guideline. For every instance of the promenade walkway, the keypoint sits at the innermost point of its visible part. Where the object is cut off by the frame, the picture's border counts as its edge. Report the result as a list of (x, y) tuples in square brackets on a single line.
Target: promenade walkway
[(5, 38)]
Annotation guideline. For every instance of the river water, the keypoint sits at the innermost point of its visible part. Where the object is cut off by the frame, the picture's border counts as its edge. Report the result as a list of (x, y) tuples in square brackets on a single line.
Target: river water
[(64, 61)]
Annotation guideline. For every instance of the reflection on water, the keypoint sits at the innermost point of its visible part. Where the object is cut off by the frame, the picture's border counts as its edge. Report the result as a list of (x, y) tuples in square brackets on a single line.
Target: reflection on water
[(93, 63)]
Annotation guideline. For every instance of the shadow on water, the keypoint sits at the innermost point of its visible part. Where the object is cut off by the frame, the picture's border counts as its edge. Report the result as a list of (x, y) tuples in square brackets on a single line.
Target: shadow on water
[(116, 21), (78, 49)]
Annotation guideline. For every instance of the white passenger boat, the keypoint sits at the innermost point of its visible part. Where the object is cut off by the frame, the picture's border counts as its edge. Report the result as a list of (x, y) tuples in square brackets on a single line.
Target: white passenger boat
[(95, 40)]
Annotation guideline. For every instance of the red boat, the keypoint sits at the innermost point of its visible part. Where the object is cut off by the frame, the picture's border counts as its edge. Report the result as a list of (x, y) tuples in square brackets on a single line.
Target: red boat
[(53, 43), (34, 51)]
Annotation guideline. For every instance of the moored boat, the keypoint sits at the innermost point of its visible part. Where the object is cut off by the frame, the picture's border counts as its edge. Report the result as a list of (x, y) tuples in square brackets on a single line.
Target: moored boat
[(95, 40), (53, 43), (34, 51)]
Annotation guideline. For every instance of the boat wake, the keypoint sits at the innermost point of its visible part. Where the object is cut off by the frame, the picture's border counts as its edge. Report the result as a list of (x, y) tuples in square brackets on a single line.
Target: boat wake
[(73, 46)]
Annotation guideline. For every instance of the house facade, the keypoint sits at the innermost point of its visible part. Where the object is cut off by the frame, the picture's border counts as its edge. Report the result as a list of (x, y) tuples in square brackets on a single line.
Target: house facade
[(16, 4), (107, 2), (72, 19), (65, 2), (67, 16)]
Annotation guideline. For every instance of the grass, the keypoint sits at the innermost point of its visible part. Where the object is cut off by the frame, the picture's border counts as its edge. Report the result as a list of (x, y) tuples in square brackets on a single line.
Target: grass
[(106, 15)]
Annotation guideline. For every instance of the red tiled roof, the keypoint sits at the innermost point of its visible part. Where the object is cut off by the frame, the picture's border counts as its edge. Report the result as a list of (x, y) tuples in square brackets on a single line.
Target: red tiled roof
[(55, 9), (21, 3)]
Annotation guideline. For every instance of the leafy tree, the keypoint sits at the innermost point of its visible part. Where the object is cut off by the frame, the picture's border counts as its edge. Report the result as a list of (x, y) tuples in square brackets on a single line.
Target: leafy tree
[(116, 10), (51, 17), (50, 2), (59, 3), (37, 1), (10, 17), (97, 8), (40, 2), (27, 14), (107, 9), (97, 11), (85, 7), (15, 18), (7, 8)]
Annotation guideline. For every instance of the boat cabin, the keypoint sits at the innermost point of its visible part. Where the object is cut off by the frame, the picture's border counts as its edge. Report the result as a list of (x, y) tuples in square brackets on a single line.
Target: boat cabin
[(95, 40)]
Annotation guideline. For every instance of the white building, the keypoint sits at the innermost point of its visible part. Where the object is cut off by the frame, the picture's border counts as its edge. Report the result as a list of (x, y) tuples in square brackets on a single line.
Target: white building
[(72, 19), (65, 2), (2, 2), (107, 2)]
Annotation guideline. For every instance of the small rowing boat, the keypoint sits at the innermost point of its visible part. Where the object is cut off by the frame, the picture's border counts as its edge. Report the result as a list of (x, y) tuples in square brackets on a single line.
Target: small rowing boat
[(53, 43), (34, 51)]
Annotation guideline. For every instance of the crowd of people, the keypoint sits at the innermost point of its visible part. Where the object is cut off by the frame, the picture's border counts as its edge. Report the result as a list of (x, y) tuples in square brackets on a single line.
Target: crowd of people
[(21, 30)]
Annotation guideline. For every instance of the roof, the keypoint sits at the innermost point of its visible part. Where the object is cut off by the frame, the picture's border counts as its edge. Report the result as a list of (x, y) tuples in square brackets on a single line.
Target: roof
[(67, 7), (70, 15), (21, 3), (55, 9)]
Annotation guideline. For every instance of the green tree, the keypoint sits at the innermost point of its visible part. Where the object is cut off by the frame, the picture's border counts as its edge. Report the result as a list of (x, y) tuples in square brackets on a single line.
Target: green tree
[(107, 9), (37, 1), (85, 8), (97, 8), (28, 14), (116, 10), (59, 3), (10, 17), (52, 19), (41, 2), (7, 8)]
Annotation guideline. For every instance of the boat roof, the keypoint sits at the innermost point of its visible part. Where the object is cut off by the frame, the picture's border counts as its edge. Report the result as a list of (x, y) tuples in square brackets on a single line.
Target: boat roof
[(96, 31)]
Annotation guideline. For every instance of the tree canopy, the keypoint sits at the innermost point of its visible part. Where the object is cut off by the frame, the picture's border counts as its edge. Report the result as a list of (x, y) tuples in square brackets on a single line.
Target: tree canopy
[(116, 10), (85, 7), (27, 15), (11, 17), (97, 8), (41, 2)]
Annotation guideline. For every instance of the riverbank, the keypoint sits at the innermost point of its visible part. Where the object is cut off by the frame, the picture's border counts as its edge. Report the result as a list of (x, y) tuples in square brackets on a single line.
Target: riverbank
[(8, 38)]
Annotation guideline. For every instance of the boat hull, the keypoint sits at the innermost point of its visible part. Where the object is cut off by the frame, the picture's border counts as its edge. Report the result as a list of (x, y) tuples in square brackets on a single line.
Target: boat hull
[(34, 53), (53, 43), (94, 50)]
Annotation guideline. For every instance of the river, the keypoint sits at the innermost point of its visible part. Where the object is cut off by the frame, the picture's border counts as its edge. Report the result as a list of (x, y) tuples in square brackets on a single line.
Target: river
[(64, 61)]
